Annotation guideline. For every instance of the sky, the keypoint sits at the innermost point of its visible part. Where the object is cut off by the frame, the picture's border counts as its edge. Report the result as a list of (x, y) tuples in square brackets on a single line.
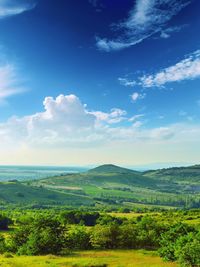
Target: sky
[(99, 81)]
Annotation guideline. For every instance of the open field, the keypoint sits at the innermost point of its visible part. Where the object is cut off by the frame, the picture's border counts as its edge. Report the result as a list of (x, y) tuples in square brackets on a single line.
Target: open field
[(118, 258)]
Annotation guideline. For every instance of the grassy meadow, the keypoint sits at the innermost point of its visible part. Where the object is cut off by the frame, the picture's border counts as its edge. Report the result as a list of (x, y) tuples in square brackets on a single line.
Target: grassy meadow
[(112, 258)]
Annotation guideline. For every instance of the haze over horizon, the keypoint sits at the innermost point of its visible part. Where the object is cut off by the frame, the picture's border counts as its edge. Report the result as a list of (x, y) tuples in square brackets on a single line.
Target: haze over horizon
[(97, 81)]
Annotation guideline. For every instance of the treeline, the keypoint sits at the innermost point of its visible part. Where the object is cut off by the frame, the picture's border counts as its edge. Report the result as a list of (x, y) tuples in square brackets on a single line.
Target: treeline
[(78, 230)]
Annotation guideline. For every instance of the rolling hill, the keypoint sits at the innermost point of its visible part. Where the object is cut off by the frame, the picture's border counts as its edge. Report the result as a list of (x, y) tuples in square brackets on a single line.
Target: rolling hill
[(110, 176), (109, 185), (16, 193), (110, 168), (187, 178)]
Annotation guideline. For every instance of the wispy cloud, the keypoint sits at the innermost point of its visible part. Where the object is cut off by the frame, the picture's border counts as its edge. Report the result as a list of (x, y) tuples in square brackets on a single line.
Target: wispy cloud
[(9, 84), (136, 96), (116, 115), (97, 5), (166, 33), (126, 82), (186, 69), (145, 19), (136, 117), (11, 7)]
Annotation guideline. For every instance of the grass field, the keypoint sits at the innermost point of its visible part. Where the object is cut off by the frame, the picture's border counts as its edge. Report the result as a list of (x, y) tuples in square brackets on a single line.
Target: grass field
[(117, 258)]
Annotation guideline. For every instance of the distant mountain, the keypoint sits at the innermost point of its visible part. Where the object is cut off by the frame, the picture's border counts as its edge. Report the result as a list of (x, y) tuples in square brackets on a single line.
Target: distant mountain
[(110, 168)]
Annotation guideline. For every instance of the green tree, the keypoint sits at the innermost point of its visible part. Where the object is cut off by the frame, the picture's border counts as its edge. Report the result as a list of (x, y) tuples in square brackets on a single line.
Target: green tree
[(45, 235), (187, 250), (149, 232), (169, 238), (19, 238), (78, 237), (128, 236), (105, 236)]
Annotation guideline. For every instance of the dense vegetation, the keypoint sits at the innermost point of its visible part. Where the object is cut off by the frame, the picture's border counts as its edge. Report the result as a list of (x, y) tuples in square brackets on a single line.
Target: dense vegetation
[(59, 232)]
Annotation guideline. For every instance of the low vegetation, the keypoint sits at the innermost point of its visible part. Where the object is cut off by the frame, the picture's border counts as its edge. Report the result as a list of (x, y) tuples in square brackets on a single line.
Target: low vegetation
[(63, 233), (104, 258)]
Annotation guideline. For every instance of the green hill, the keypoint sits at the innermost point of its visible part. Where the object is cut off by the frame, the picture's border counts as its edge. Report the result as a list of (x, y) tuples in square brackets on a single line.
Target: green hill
[(109, 185), (110, 168), (186, 177), (105, 175), (21, 194)]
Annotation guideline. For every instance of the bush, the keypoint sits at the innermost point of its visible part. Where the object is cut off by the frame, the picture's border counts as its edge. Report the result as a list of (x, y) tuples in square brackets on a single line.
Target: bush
[(105, 237), (187, 250), (78, 238), (169, 239), (43, 236), (128, 236), (149, 232), (3, 247)]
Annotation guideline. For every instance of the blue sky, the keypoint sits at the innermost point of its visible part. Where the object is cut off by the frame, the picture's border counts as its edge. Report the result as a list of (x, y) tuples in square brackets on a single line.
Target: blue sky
[(99, 81)]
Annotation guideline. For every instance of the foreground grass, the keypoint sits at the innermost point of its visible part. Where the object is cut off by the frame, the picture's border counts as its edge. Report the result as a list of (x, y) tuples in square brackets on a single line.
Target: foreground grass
[(112, 258)]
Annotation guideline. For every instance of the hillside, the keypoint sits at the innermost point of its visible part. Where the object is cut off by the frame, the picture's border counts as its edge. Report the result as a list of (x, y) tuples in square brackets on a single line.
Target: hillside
[(21, 194), (110, 184), (188, 177), (110, 168), (110, 176)]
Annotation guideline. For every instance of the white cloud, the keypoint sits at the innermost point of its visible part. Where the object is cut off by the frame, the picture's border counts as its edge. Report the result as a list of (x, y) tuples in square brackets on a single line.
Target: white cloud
[(116, 115), (9, 84), (136, 96), (126, 82), (65, 121), (162, 133), (166, 33), (186, 69), (11, 7), (67, 132), (145, 19), (136, 117)]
